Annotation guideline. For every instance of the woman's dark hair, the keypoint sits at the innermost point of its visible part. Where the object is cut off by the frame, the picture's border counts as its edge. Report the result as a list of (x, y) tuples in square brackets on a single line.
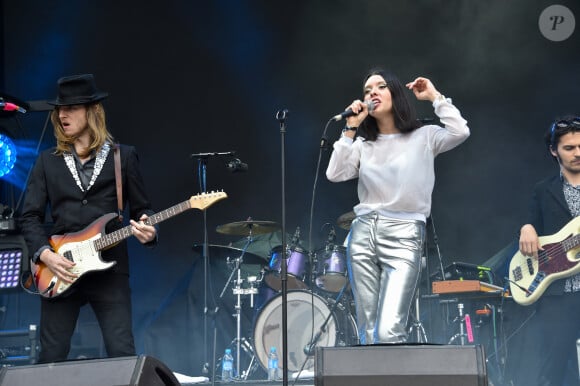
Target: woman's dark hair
[(560, 127), (403, 112)]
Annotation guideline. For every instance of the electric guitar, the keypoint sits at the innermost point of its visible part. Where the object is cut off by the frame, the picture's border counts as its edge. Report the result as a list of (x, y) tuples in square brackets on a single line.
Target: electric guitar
[(84, 247), (530, 276)]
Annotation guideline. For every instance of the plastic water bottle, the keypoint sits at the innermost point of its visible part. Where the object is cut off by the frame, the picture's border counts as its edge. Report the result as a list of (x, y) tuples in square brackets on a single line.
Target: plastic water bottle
[(228, 366), (273, 364)]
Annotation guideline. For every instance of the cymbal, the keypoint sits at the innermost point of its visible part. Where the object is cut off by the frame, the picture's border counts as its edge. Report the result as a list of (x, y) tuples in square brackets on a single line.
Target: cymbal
[(345, 219), (224, 251), (245, 228)]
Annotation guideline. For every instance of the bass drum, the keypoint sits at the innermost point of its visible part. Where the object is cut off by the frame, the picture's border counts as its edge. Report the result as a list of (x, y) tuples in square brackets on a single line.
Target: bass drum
[(302, 306)]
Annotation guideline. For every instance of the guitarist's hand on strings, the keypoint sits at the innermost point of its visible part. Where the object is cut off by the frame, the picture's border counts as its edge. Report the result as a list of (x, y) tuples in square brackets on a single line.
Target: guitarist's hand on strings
[(143, 232), (58, 265), (529, 241)]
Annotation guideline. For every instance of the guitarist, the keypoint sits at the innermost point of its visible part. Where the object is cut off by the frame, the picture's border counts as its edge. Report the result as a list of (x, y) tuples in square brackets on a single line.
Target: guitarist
[(554, 329), (75, 181)]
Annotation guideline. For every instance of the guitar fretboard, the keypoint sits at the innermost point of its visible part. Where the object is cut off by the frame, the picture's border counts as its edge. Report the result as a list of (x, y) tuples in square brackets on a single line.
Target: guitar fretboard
[(125, 232), (571, 242)]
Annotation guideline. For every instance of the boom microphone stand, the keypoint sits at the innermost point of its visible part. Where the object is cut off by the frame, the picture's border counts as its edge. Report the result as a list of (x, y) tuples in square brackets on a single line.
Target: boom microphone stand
[(281, 117), (202, 159)]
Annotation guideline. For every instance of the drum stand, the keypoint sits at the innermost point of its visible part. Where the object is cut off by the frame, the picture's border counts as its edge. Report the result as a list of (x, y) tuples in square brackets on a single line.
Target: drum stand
[(239, 291), (464, 323), (417, 326)]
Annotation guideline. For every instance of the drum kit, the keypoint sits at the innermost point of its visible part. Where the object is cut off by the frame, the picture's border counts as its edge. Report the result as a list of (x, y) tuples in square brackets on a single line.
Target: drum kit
[(320, 308)]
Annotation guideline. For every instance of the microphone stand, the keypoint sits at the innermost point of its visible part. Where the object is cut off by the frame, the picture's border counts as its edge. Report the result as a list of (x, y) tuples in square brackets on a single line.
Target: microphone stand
[(310, 346), (436, 241), (281, 117), (202, 159)]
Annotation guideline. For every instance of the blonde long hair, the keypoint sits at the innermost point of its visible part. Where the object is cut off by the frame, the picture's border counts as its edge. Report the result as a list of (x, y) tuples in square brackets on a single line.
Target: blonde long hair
[(97, 126)]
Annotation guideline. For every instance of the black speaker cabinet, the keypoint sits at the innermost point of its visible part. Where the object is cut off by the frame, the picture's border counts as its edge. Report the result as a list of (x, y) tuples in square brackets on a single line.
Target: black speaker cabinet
[(125, 371), (400, 365)]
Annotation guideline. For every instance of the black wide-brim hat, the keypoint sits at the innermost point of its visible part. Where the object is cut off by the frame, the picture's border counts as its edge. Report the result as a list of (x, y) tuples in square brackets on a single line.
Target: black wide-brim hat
[(77, 90)]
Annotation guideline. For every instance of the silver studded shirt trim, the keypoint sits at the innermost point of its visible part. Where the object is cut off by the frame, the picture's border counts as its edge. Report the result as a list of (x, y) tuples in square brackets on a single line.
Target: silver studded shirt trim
[(99, 162)]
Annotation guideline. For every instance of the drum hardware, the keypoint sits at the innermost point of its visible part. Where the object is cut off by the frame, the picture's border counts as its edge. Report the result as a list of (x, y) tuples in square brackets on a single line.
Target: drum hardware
[(345, 220), (309, 348), (238, 290), (330, 262), (247, 348), (417, 326), (248, 227), (218, 252), (464, 327), (297, 265), (307, 311), (331, 271)]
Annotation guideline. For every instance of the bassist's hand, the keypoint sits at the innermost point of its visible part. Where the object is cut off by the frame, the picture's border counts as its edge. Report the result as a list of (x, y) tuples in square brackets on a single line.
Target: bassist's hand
[(59, 265), (529, 242)]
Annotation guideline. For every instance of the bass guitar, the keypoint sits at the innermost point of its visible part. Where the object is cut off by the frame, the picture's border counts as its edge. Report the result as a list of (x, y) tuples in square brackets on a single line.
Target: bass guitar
[(530, 276), (84, 247)]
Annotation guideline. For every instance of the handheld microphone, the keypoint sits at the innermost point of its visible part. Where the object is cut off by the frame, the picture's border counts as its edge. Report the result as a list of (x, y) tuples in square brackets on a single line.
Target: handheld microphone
[(7, 106), (236, 165), (349, 113)]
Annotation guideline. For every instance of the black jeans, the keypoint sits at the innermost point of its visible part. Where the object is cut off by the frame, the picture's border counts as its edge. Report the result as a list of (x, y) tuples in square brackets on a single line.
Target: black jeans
[(547, 355), (109, 295)]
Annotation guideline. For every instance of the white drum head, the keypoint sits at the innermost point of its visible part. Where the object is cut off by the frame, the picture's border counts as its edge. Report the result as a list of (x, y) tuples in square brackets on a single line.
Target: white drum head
[(306, 312)]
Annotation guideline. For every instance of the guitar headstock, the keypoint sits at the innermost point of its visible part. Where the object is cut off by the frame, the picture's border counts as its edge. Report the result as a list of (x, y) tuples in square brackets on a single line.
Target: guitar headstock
[(204, 200)]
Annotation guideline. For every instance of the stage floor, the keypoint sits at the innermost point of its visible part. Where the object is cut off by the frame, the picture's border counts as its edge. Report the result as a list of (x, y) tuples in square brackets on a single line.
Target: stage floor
[(301, 382)]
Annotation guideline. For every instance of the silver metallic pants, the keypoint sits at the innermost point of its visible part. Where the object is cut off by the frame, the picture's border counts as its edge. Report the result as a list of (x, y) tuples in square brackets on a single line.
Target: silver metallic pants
[(384, 263)]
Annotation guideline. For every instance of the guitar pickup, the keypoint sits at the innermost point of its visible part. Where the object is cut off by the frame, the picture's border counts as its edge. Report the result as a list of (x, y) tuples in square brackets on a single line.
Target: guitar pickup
[(68, 255), (530, 265), (517, 273)]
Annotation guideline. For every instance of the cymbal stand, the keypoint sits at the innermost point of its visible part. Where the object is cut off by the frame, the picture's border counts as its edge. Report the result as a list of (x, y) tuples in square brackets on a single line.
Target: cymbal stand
[(239, 291), (417, 326), (464, 324), (202, 175)]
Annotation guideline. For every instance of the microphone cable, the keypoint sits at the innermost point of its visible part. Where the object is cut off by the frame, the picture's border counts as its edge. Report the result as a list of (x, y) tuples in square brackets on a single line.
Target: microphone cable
[(323, 146)]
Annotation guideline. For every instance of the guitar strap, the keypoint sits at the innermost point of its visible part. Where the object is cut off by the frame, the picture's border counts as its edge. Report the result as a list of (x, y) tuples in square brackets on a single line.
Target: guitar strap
[(118, 181)]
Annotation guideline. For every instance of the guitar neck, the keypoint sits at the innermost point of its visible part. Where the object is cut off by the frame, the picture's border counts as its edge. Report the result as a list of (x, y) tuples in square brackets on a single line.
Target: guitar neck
[(125, 232), (571, 242)]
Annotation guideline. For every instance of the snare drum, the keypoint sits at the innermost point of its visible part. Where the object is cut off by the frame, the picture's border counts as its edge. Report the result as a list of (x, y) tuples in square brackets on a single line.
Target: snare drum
[(297, 267), (331, 269)]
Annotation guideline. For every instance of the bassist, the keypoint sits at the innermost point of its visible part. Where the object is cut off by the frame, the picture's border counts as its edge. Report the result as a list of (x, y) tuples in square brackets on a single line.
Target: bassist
[(555, 327)]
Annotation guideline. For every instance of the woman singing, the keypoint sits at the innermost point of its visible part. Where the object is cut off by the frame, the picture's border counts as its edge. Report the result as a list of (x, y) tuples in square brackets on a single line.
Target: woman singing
[(393, 159)]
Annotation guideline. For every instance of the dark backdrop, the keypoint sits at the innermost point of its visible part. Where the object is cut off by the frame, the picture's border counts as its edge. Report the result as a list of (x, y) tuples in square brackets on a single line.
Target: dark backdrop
[(188, 77)]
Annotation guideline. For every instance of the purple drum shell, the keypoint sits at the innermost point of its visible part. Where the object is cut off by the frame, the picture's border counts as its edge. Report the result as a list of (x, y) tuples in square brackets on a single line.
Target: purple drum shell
[(297, 264), (331, 269)]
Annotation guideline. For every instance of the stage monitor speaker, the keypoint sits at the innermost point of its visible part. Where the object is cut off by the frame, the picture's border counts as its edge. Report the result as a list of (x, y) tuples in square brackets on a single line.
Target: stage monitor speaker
[(396, 365), (124, 371)]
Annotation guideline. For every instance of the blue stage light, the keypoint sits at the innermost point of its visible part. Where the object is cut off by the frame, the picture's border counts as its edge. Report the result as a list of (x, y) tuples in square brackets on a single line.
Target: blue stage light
[(7, 155)]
